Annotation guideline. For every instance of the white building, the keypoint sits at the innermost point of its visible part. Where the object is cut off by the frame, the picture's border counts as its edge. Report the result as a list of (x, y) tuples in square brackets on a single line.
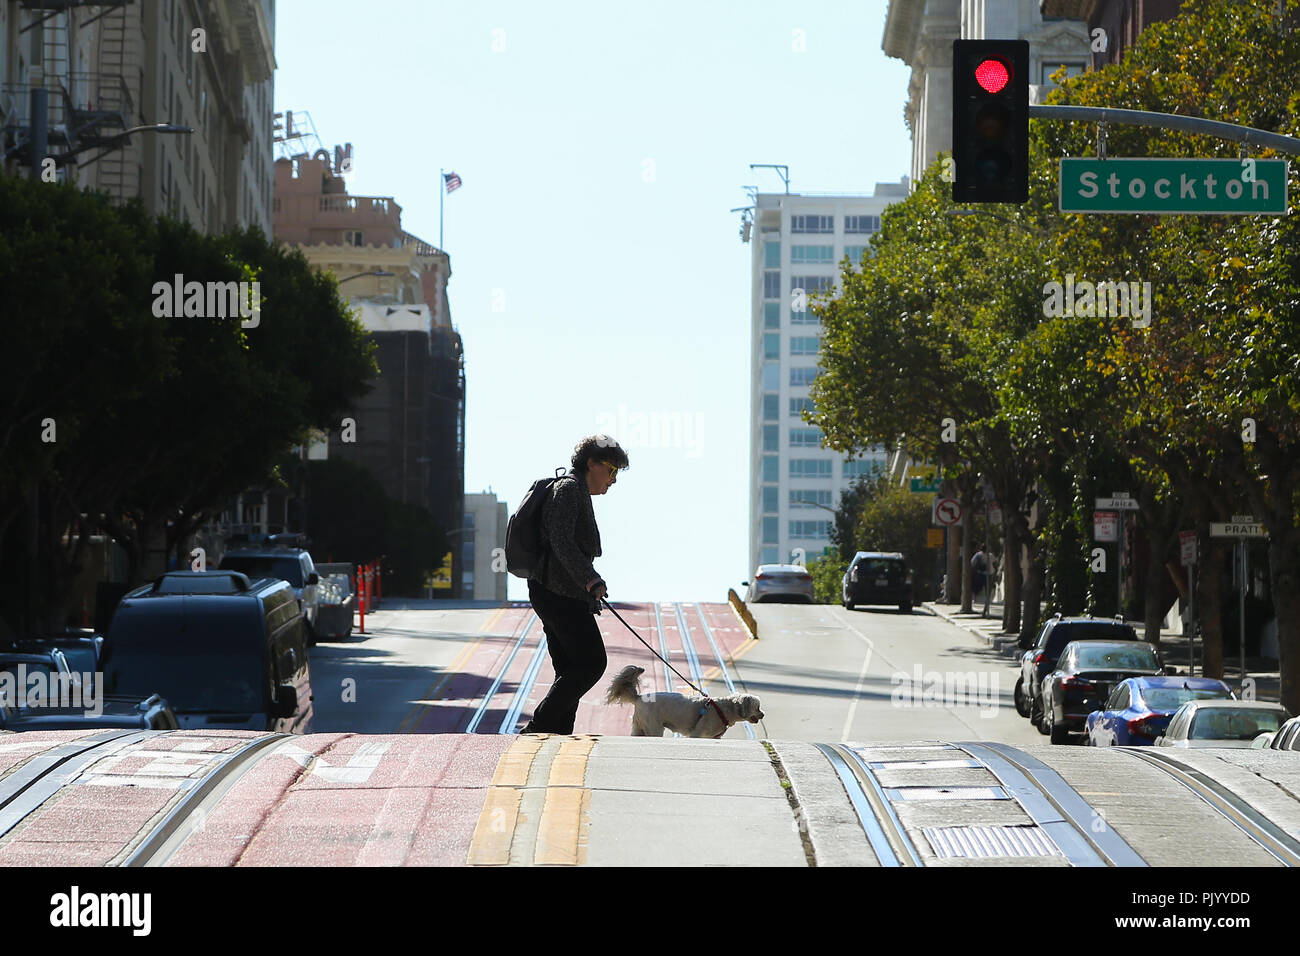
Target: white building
[(794, 483), (920, 33), (484, 534)]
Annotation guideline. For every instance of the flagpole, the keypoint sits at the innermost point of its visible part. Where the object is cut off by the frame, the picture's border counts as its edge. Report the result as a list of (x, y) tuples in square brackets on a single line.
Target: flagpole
[(442, 188)]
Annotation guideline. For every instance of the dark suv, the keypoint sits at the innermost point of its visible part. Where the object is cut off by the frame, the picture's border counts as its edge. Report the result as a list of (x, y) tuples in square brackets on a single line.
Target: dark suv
[(877, 577), (1040, 660), (286, 563)]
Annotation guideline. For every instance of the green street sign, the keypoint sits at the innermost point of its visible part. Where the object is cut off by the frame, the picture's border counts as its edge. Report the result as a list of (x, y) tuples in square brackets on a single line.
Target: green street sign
[(1225, 187), (920, 486)]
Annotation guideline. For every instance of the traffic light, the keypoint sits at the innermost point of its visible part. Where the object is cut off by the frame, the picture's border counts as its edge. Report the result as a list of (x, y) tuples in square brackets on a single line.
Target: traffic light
[(990, 120)]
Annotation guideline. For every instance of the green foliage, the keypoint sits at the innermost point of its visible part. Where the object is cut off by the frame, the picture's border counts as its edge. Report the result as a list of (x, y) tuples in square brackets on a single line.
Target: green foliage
[(897, 520), (827, 572)]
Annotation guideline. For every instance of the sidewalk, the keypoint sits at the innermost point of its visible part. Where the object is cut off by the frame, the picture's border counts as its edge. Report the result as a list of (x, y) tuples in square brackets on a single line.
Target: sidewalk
[(1173, 647)]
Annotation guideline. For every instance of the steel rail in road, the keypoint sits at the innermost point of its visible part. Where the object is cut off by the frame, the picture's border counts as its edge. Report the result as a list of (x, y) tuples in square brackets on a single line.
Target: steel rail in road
[(41, 777), (663, 648), (1260, 829), (885, 832), (524, 689), (190, 812), (481, 710), (1073, 824), (722, 664)]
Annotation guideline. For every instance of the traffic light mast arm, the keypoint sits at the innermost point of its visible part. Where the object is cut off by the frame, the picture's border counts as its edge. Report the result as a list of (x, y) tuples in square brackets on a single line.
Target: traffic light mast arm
[(1187, 124)]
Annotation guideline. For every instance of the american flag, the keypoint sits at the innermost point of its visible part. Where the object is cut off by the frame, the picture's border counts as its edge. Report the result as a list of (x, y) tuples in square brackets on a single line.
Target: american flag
[(452, 181)]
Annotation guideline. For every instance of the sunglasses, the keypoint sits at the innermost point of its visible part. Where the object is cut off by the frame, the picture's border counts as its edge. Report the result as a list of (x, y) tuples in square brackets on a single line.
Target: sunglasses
[(613, 469)]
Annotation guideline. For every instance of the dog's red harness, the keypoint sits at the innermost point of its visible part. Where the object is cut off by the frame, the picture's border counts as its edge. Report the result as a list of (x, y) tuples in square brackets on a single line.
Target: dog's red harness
[(718, 710)]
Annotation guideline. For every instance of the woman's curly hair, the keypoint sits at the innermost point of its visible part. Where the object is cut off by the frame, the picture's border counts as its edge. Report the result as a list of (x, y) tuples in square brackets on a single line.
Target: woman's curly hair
[(600, 448)]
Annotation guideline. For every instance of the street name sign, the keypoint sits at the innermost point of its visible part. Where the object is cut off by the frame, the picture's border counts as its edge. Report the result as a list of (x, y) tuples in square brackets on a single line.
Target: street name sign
[(1116, 504), (1228, 529), (1222, 187), (921, 486)]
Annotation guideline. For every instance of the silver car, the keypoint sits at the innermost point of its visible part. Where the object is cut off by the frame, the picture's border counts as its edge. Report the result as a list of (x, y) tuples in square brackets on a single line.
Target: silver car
[(1221, 723), (780, 582)]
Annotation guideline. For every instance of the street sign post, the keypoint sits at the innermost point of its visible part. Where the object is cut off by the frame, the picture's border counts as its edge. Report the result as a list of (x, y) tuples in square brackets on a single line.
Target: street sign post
[(1187, 553), (1242, 528), (1232, 187)]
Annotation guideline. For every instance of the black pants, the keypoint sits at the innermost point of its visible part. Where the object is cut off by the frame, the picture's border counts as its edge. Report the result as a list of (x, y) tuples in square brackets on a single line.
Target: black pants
[(577, 653)]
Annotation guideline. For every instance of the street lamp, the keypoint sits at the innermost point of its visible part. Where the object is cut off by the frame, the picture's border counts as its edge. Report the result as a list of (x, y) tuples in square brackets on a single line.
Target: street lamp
[(373, 272)]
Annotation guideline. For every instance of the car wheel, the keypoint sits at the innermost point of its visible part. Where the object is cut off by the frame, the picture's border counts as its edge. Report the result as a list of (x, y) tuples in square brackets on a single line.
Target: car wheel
[(1059, 734), (849, 605), (1036, 715), (1022, 705)]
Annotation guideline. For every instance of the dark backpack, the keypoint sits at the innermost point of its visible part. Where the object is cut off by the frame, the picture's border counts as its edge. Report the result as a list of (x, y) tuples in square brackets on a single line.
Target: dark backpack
[(525, 546)]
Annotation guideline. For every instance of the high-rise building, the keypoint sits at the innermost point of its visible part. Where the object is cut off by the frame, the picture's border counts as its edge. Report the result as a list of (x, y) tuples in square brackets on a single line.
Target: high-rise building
[(110, 67), (483, 547), (798, 243)]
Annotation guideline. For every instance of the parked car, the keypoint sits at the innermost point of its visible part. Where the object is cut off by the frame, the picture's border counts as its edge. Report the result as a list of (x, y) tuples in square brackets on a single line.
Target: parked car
[(1221, 723), (780, 582), (17, 667), (1139, 708), (1286, 737), (1083, 679), (1040, 660), (335, 600), (227, 652), (152, 713), (877, 577), (81, 648), (292, 564)]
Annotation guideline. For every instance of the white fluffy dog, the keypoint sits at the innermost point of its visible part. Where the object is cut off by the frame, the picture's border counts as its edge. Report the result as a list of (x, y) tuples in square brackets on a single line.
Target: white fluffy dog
[(688, 716)]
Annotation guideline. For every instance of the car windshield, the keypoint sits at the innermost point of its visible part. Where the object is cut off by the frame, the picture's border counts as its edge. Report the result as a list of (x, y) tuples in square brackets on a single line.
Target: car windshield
[(191, 680), (1063, 634), (1224, 724), (1138, 657), (259, 566), (879, 566), (1171, 698)]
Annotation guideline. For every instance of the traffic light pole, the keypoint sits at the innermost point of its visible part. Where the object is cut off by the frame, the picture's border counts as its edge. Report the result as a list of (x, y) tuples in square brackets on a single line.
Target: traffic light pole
[(1187, 124)]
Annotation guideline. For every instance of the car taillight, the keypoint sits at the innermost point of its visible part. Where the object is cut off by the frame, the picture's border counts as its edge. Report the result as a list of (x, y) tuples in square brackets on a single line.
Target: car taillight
[(1078, 683), (1039, 657), (761, 577), (853, 575), (1143, 727), (908, 579)]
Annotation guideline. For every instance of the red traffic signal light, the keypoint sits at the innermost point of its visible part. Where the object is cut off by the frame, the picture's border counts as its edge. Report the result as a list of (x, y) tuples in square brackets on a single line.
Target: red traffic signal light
[(992, 75), (990, 120)]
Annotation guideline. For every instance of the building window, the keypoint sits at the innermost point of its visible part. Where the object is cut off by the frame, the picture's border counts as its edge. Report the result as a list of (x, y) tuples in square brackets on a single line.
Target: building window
[(811, 284), (810, 529), (772, 255), (467, 579), (771, 315), (771, 402), (771, 438), (861, 224), (855, 254), (802, 255), (771, 285), (803, 318), (771, 376), (352, 237), (770, 498), (863, 466), (805, 438), (1071, 69), (798, 406), (812, 224), (770, 530), (802, 376), (808, 498), (469, 519), (770, 556), (771, 345), (771, 469), (805, 345), (810, 468)]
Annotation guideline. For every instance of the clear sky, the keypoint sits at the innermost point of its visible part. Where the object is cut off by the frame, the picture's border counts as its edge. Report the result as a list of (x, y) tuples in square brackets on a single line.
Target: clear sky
[(598, 278)]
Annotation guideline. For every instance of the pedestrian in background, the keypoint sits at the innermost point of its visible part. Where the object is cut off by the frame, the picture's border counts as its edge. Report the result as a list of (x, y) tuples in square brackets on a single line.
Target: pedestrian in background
[(980, 568), (566, 590)]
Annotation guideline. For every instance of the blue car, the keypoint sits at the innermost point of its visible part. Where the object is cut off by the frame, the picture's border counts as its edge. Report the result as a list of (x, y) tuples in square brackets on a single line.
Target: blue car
[(1139, 708)]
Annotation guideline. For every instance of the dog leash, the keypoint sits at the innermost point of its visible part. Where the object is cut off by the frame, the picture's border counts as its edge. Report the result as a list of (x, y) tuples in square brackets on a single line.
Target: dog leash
[(660, 656)]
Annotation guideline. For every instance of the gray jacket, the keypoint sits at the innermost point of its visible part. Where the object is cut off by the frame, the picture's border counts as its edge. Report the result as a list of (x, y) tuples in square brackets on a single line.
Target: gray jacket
[(571, 538)]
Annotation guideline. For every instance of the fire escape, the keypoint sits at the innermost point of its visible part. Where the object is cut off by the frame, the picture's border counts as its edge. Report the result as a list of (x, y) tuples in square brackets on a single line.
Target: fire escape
[(87, 110)]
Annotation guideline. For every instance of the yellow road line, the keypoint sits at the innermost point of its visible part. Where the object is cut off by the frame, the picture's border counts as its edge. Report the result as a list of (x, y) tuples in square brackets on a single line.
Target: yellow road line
[(495, 830), (492, 621), (566, 814), (713, 673)]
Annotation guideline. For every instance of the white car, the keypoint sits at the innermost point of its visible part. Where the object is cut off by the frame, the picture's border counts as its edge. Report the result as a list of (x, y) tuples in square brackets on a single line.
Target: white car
[(1286, 737), (780, 582), (1221, 723)]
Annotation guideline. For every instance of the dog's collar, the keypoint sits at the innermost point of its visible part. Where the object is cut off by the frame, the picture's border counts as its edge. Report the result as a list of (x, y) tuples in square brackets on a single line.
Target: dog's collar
[(714, 704)]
